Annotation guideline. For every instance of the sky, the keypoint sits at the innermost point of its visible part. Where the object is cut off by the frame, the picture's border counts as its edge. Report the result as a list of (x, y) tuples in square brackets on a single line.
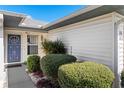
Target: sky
[(47, 13)]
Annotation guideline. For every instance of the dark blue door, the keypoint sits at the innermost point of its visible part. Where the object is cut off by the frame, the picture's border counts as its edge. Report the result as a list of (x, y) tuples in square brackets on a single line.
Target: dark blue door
[(14, 48)]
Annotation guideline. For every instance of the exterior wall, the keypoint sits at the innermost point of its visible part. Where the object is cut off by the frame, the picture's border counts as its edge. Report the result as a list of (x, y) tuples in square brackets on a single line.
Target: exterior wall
[(24, 34), (90, 40)]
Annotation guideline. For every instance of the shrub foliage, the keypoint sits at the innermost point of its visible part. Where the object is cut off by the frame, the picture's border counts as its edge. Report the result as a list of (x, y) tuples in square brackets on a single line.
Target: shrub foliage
[(33, 63), (50, 63), (122, 78), (53, 47), (85, 75)]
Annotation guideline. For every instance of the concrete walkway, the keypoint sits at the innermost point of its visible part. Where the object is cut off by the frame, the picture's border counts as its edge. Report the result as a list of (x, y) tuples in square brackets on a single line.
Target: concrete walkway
[(18, 78)]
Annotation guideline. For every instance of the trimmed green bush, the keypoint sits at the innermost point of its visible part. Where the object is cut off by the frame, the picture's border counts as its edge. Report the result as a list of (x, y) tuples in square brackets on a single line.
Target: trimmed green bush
[(54, 47), (122, 79), (85, 75), (33, 63), (50, 63)]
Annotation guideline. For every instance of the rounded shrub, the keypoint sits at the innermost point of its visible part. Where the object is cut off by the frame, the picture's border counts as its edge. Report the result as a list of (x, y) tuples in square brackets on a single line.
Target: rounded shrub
[(85, 75), (50, 63), (122, 79), (33, 63)]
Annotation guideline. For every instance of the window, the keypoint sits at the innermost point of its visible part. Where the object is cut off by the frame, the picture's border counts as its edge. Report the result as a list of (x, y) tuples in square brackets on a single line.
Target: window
[(32, 44)]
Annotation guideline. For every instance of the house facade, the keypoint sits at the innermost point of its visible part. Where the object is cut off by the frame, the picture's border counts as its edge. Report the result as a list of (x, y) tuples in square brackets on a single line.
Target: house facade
[(94, 34), (17, 43)]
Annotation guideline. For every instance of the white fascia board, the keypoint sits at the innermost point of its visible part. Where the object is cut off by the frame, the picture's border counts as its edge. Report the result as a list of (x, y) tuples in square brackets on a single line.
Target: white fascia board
[(12, 13)]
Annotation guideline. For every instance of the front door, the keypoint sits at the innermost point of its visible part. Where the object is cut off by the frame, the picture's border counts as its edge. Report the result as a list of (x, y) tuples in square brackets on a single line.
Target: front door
[(14, 48)]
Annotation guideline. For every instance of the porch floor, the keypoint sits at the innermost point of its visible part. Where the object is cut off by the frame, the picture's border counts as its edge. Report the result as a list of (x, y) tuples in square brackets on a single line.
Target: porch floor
[(18, 78)]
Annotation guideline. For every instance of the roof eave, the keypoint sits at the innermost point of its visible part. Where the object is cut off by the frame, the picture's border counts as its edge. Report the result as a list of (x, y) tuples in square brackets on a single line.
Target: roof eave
[(88, 8)]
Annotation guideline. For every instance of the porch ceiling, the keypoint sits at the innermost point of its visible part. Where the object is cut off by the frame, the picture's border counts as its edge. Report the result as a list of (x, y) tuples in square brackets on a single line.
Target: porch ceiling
[(12, 21)]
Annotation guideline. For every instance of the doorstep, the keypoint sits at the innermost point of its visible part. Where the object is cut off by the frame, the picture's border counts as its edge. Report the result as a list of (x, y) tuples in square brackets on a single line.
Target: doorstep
[(15, 64)]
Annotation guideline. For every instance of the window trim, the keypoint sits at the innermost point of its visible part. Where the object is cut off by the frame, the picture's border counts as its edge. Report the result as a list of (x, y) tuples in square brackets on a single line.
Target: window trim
[(29, 44)]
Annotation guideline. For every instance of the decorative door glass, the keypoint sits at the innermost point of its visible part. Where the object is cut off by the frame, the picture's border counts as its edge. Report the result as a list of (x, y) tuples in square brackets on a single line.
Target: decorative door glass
[(14, 48)]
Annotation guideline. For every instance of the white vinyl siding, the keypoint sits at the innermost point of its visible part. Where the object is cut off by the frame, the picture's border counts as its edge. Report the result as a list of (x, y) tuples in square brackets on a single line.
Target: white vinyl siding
[(91, 40)]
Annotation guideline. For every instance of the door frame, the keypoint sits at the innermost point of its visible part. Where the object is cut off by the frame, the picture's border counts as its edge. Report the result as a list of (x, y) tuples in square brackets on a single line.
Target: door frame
[(8, 48)]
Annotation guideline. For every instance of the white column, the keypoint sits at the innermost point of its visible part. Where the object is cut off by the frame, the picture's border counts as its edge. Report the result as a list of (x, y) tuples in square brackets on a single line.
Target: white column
[(120, 50), (2, 72)]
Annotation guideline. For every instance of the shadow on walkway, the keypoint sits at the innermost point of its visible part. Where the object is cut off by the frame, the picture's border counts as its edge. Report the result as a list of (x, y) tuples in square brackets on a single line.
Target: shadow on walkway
[(18, 78)]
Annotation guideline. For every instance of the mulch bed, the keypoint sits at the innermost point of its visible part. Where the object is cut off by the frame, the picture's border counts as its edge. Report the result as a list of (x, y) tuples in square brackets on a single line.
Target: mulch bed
[(41, 81)]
